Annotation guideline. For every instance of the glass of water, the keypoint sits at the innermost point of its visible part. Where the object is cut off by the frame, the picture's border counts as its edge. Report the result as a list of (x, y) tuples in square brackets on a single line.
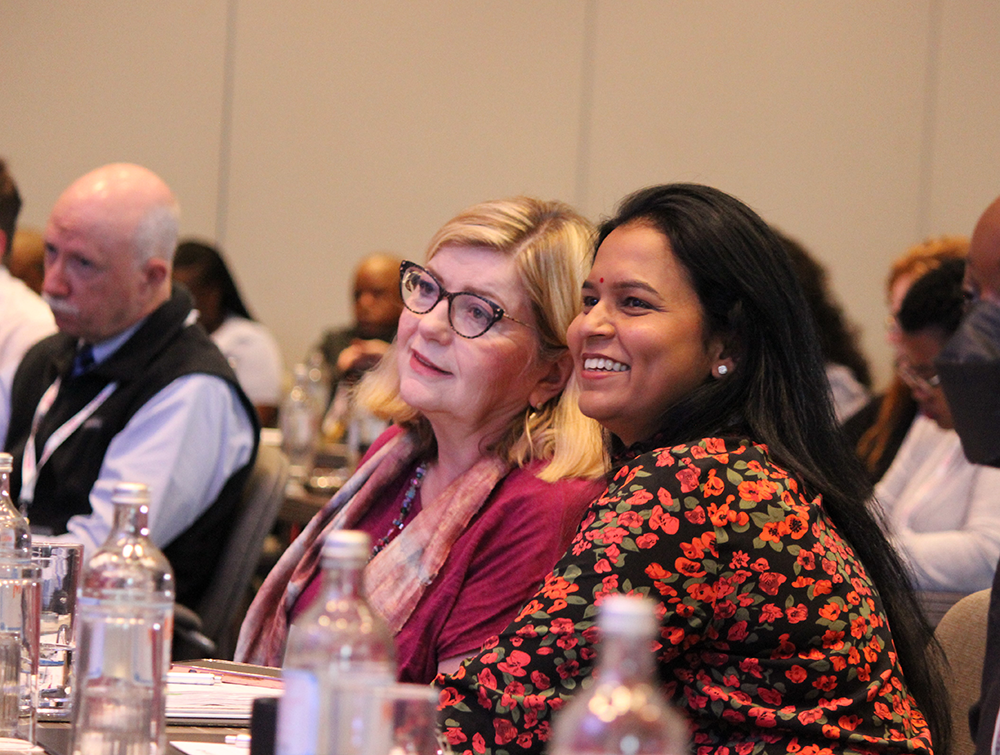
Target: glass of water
[(60, 564)]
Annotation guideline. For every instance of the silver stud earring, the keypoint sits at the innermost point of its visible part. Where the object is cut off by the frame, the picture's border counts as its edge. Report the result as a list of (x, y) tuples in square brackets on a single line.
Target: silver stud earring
[(721, 370)]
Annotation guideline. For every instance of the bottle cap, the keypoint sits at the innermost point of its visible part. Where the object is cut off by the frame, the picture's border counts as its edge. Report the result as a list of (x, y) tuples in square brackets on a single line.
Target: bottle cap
[(629, 615), (6, 462), (131, 492), (347, 544), (263, 725)]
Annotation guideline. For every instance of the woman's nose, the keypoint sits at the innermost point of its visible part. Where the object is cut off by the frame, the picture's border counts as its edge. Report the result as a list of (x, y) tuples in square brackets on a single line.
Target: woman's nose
[(434, 323), (596, 322)]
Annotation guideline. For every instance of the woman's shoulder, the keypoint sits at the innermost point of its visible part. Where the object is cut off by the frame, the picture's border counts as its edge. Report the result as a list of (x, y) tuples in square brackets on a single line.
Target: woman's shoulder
[(387, 435), (525, 482), (707, 469), (704, 453), (236, 331)]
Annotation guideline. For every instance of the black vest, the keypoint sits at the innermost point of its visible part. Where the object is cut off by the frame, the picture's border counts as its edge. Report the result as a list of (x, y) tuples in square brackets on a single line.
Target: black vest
[(160, 351)]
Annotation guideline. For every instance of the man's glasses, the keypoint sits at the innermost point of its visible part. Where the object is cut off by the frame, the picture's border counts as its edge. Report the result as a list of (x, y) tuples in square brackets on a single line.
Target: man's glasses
[(915, 380), (470, 315)]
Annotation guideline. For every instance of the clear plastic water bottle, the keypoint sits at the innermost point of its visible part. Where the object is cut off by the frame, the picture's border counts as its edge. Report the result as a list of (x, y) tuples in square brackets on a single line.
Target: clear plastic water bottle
[(339, 654), (623, 712), (319, 379), (299, 421), (20, 613), (126, 612)]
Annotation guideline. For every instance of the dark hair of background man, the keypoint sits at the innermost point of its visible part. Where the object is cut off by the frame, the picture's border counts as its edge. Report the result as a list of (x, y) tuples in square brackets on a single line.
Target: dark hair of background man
[(10, 206)]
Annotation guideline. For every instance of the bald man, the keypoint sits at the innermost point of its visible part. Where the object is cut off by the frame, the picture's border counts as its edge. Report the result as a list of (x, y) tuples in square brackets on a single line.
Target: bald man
[(377, 306), (969, 367), (129, 389), (970, 364)]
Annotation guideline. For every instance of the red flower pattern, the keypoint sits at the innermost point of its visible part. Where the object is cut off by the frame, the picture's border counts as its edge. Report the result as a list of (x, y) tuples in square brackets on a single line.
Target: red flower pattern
[(772, 635)]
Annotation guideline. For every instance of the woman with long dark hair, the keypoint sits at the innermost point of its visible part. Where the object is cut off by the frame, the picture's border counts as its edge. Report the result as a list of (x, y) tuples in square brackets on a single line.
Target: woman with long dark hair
[(787, 620), (248, 346)]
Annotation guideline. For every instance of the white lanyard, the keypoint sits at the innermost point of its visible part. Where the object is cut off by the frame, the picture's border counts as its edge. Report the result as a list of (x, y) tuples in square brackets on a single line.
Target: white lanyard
[(29, 469)]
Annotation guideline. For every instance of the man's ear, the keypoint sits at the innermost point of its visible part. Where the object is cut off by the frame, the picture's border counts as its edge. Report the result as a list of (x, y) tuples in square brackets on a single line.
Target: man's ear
[(156, 271), (553, 381)]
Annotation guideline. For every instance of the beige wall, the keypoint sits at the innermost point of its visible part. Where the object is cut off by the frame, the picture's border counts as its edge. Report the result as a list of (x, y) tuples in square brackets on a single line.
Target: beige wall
[(303, 134)]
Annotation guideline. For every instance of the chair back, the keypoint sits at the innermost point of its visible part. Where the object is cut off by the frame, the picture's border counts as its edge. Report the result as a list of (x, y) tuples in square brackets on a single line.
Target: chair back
[(962, 634), (936, 604), (258, 509)]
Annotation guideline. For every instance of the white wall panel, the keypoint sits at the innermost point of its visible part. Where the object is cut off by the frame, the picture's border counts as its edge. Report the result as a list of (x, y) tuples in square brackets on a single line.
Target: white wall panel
[(360, 126), (966, 137), (85, 84), (809, 112)]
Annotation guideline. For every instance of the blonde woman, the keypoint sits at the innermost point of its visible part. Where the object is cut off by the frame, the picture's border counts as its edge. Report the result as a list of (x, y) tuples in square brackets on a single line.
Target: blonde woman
[(489, 452)]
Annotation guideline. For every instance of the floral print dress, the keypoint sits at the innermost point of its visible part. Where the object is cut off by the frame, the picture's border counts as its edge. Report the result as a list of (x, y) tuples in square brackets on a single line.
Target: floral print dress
[(773, 638)]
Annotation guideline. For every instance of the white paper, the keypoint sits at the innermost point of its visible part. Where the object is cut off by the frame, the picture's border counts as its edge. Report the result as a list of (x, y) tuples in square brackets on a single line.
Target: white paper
[(214, 701), (209, 748)]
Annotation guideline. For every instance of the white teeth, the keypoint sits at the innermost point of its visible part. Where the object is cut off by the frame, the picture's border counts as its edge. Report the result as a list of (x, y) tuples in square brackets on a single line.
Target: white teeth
[(605, 365)]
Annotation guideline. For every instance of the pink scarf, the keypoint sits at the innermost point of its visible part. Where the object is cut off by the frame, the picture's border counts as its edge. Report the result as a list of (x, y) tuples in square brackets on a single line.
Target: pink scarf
[(395, 578)]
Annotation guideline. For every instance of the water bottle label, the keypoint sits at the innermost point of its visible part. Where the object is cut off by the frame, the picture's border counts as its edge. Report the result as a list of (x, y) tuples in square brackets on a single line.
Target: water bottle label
[(298, 713)]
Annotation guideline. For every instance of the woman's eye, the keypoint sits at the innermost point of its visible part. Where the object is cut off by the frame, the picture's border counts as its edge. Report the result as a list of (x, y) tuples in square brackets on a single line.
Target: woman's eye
[(477, 314), (589, 302), (632, 302)]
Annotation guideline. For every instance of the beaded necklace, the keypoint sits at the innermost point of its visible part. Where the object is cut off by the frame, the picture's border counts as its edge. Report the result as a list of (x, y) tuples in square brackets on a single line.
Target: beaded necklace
[(397, 524)]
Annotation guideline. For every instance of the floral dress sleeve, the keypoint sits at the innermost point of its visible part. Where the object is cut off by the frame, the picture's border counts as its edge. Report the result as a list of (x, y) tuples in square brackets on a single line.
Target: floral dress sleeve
[(773, 638)]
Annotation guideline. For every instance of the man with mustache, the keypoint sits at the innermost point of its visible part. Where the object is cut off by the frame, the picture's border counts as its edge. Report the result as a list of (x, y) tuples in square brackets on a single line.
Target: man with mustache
[(130, 389)]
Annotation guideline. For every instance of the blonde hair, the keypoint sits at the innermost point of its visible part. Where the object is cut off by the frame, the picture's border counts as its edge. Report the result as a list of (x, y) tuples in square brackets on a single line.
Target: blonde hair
[(551, 245)]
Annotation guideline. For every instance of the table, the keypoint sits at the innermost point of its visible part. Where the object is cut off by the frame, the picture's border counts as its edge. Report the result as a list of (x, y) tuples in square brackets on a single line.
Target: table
[(54, 737), (300, 505)]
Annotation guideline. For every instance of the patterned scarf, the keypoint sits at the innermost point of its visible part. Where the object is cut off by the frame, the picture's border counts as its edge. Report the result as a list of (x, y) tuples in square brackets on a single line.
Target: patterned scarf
[(395, 578)]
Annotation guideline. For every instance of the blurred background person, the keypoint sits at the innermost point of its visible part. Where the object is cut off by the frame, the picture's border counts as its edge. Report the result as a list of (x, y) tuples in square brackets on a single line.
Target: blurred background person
[(348, 353), (248, 345), (942, 511), (25, 318), (351, 351), (970, 374), (490, 466), (27, 258), (877, 430), (846, 367)]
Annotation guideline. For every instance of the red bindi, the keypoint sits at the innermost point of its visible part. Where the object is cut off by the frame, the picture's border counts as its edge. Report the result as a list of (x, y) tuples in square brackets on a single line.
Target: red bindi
[(602, 280)]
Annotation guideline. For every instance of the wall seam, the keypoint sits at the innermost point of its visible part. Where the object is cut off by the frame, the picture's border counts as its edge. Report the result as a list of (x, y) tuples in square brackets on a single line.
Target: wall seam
[(587, 74), (226, 127), (929, 127)]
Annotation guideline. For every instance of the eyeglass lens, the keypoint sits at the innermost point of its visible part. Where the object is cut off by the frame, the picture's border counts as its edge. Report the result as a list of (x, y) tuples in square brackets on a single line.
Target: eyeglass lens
[(470, 315), (915, 380)]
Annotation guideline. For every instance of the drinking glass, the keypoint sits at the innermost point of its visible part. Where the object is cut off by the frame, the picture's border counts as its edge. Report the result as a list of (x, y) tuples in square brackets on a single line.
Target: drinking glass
[(60, 564), (408, 714)]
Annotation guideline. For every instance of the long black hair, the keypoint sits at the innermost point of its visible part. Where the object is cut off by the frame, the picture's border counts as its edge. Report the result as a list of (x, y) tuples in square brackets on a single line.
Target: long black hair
[(778, 394), (212, 271)]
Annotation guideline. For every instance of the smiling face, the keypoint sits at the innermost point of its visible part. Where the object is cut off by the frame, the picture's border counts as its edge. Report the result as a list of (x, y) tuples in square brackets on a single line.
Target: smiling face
[(473, 388), (639, 345)]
